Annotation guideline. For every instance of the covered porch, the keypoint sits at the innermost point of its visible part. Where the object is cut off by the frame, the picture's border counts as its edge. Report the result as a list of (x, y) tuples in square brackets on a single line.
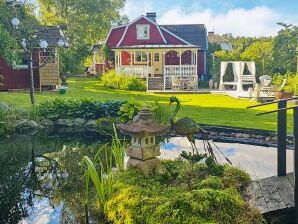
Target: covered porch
[(164, 67)]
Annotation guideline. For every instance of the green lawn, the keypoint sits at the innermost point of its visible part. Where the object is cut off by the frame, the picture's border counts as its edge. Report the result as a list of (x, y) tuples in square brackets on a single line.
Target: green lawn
[(204, 108)]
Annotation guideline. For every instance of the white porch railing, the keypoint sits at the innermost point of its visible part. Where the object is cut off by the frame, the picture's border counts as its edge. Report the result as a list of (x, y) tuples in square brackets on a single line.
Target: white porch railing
[(185, 72), (137, 70)]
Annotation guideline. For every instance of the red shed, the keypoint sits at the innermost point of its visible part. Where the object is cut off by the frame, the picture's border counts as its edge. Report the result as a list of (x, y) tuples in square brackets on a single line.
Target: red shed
[(17, 77)]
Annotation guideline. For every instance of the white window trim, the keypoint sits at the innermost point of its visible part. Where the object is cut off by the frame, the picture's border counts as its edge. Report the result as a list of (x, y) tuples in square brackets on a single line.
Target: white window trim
[(156, 54), (138, 27), (21, 66), (140, 62)]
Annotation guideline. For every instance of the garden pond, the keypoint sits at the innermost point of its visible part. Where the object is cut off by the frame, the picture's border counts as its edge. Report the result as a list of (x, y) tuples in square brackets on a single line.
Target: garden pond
[(41, 180)]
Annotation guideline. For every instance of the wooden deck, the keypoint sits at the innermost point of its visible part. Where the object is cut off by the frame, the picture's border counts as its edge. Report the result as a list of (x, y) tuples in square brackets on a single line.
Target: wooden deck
[(274, 197)]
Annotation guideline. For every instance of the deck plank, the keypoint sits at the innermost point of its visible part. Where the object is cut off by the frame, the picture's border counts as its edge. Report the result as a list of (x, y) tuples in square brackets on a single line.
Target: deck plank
[(256, 197), (285, 189), (271, 195), (290, 176)]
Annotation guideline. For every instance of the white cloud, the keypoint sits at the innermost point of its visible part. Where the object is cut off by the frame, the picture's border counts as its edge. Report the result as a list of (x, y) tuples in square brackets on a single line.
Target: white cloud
[(258, 21), (134, 8)]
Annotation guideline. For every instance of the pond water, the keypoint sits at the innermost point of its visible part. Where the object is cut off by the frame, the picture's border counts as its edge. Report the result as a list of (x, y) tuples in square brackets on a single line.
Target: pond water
[(41, 180)]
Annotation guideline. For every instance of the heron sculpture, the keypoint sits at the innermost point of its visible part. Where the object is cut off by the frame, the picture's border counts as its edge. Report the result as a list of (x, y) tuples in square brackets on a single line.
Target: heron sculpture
[(188, 127)]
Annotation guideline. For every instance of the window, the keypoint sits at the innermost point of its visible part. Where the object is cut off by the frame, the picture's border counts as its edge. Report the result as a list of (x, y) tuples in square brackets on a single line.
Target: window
[(143, 32), (23, 60), (140, 57), (156, 57)]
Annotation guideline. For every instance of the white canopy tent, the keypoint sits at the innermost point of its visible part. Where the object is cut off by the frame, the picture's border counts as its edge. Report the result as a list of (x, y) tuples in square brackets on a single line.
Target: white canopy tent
[(240, 79)]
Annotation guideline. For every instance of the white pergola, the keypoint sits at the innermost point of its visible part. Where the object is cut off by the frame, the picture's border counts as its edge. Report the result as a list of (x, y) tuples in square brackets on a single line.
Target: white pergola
[(240, 78)]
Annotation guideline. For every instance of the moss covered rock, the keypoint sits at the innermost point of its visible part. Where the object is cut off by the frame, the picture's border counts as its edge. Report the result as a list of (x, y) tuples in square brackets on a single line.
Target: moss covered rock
[(182, 194)]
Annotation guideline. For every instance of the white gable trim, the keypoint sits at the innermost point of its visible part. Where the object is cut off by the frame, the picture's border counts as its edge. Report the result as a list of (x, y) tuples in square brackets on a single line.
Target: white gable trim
[(179, 38), (132, 22), (113, 28)]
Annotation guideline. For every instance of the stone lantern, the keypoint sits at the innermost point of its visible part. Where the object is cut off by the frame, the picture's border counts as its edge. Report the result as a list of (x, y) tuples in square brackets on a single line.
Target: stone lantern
[(143, 150)]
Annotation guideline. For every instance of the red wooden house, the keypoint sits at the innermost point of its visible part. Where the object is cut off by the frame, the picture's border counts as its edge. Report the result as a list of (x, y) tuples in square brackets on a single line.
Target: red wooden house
[(167, 56), (47, 76)]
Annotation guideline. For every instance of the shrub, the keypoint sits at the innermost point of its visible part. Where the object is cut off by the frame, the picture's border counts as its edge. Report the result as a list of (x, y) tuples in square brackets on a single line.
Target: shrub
[(74, 108), (7, 120), (116, 81), (166, 199), (292, 82)]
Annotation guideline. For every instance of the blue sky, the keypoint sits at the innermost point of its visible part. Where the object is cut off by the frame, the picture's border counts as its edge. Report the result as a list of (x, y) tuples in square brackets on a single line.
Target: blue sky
[(239, 17)]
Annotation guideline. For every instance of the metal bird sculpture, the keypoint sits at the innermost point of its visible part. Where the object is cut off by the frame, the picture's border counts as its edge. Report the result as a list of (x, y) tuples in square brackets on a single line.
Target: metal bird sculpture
[(188, 127)]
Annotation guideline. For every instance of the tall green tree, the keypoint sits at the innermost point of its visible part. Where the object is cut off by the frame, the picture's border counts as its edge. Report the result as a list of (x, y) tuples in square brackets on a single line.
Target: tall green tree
[(86, 22), (260, 52), (284, 49)]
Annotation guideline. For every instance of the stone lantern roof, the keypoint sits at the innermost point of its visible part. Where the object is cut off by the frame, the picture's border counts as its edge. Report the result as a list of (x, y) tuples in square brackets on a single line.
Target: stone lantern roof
[(143, 125)]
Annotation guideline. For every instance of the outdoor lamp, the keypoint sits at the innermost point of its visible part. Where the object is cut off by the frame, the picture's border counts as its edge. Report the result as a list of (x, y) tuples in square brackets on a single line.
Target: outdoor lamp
[(61, 43), (43, 44), (15, 22), (24, 43)]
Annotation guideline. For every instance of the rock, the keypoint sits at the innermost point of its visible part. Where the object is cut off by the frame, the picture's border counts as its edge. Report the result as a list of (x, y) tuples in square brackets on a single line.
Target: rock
[(245, 136), (91, 125), (213, 133), (238, 135), (32, 124), (46, 123), (4, 106), (20, 123), (64, 122), (79, 122)]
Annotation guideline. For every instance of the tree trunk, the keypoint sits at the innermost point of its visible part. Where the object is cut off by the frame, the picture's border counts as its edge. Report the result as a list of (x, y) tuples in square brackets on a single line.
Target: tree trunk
[(30, 66)]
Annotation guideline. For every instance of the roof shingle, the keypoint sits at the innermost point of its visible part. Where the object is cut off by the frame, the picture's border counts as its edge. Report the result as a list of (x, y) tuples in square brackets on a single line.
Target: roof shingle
[(195, 34)]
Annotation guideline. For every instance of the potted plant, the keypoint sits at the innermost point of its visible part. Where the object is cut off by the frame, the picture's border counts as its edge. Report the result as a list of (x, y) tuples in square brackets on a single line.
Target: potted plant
[(286, 89)]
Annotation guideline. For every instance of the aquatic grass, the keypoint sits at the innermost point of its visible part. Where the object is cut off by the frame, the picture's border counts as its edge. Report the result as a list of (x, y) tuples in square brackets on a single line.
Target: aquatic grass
[(118, 150), (103, 179), (161, 113)]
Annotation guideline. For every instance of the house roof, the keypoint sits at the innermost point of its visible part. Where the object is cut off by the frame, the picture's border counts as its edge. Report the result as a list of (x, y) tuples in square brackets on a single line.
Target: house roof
[(52, 34), (215, 38), (150, 46), (191, 35), (194, 34)]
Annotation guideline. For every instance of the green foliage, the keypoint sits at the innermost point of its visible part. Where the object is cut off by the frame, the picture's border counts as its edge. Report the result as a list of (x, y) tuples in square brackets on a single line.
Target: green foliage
[(8, 45), (119, 81), (108, 53), (285, 49), (118, 150), (161, 113), (129, 110), (75, 108), (102, 177), (165, 198), (260, 52), (5, 125), (193, 158), (292, 82), (101, 180), (82, 19)]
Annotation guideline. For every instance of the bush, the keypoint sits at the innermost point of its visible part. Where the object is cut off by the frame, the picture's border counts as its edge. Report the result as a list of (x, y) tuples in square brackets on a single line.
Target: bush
[(292, 82), (7, 119), (115, 81), (75, 108), (166, 198)]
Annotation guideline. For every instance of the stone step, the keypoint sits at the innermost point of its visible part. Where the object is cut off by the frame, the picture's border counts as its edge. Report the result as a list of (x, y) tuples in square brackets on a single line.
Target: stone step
[(155, 83)]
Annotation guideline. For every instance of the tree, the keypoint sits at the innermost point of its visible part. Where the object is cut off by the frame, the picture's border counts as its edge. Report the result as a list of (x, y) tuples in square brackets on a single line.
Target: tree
[(284, 49), (7, 46), (261, 53), (87, 22)]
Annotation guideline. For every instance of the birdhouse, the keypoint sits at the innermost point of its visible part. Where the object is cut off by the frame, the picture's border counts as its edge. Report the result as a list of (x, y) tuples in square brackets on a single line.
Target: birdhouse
[(143, 150)]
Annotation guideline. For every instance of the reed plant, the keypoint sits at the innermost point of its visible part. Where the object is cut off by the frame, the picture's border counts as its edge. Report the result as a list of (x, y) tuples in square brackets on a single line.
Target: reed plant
[(102, 178)]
